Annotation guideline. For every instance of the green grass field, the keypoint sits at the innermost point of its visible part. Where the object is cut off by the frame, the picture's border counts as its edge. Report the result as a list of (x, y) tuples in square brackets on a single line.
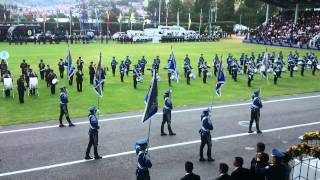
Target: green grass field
[(121, 97)]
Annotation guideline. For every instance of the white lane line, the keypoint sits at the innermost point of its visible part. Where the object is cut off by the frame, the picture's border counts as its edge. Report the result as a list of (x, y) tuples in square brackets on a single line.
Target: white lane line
[(178, 111), (154, 148)]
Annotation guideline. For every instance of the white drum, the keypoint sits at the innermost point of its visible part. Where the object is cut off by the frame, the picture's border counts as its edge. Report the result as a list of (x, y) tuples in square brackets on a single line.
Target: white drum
[(33, 84), (309, 62), (158, 78), (193, 76), (295, 68), (209, 74), (284, 69), (7, 83), (55, 81), (139, 79), (299, 62), (270, 70), (318, 66)]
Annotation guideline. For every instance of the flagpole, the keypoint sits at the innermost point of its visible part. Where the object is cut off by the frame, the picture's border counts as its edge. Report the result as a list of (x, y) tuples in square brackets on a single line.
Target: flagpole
[(99, 85), (149, 133)]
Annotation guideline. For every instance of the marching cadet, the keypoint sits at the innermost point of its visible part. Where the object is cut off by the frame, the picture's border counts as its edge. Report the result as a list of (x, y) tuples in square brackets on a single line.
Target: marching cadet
[(114, 65), (303, 66), (155, 65), (3, 68), (250, 76), (127, 62), (142, 63), (51, 77), (122, 70), (31, 74), (47, 73), (188, 70), (166, 118), (216, 63), (245, 64), (205, 72), (63, 107), (80, 63), (143, 160), (234, 68), (23, 67), (7, 74), (276, 73), (79, 80), (42, 68), (186, 63), (314, 63), (92, 72), (93, 134), (135, 76), (291, 65), (255, 111), (242, 59), (229, 63), (200, 64), (206, 127), (61, 68), (158, 63), (21, 89)]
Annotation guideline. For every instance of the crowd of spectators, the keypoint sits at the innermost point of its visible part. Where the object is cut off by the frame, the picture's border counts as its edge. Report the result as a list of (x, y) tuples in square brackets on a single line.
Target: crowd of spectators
[(281, 29), (261, 168)]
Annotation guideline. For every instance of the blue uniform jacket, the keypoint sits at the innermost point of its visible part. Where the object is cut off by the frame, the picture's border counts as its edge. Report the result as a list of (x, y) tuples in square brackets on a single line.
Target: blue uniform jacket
[(206, 126), (93, 120), (63, 98), (143, 163), (167, 105), (256, 104)]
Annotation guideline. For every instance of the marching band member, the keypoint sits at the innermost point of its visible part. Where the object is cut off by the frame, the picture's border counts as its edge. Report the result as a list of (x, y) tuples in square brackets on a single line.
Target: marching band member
[(255, 111), (276, 73), (200, 64), (42, 68), (250, 76), (93, 134), (122, 69), (167, 114), (61, 68), (21, 89), (127, 62), (206, 127), (80, 63), (216, 63), (64, 108), (143, 160), (142, 62), (79, 80), (114, 65), (92, 72), (205, 72), (135, 76)]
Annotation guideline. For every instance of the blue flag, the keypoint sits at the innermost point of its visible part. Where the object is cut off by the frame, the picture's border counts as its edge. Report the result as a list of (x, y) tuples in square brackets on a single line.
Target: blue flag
[(171, 64), (151, 99), (70, 68), (221, 80), (99, 79)]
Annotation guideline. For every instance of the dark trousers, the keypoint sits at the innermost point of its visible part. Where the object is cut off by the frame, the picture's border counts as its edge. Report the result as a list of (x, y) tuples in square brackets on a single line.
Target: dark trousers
[(121, 76), (314, 70), (234, 74), (93, 141), (169, 78), (302, 71), (42, 75), (7, 93), (255, 116), (32, 91), (61, 73), (166, 118), (79, 86), (188, 78), (91, 78), (199, 71), (71, 80), (215, 70), (249, 82), (245, 69), (53, 89), (114, 71), (291, 72), (135, 82), (206, 140), (204, 78), (275, 80), (64, 111), (144, 176), (21, 96), (128, 69)]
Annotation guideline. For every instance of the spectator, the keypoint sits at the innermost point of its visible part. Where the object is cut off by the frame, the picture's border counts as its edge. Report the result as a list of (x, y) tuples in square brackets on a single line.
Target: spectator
[(278, 170), (240, 173), (223, 169), (189, 174), (259, 163)]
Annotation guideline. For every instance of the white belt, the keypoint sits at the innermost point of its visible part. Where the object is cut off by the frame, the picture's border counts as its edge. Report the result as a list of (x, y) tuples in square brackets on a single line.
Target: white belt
[(255, 106)]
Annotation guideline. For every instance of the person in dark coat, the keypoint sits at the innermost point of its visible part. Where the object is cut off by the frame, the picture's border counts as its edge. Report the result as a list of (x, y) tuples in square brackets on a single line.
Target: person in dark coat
[(240, 173), (189, 174), (21, 89), (277, 171), (79, 80), (223, 169), (259, 163), (92, 72)]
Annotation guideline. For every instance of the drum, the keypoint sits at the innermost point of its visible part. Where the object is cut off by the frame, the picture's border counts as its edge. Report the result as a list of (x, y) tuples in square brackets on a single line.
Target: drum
[(284, 69), (209, 74), (299, 62), (158, 78), (139, 79), (55, 81), (309, 62), (255, 70), (262, 68), (193, 76), (270, 70), (318, 66), (33, 84), (295, 68), (7, 83), (172, 76)]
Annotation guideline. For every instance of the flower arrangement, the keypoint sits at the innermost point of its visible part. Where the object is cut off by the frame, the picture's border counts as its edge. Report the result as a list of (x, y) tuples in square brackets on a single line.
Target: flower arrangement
[(314, 135), (304, 149)]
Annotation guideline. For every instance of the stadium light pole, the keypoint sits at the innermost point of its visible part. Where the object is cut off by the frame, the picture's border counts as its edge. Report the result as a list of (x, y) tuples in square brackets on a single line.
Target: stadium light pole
[(267, 13), (159, 12)]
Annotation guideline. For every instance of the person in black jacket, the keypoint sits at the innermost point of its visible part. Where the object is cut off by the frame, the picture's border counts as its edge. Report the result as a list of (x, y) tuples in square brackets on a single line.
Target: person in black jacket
[(259, 163), (277, 171), (223, 169), (92, 72), (79, 80), (189, 174), (240, 173), (21, 89), (61, 68)]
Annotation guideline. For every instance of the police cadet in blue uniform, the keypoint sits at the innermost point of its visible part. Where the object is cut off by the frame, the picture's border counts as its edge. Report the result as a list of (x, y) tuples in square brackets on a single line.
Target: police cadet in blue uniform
[(92, 72), (127, 62), (63, 107), (186, 63), (143, 160), (157, 60), (42, 68), (216, 63), (167, 114), (291, 65), (142, 63), (250, 76), (206, 127), (205, 72), (122, 69), (234, 68), (314, 63), (255, 111), (188, 70), (93, 134), (200, 64), (135, 76), (61, 68), (113, 65), (303, 65), (276, 73)]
